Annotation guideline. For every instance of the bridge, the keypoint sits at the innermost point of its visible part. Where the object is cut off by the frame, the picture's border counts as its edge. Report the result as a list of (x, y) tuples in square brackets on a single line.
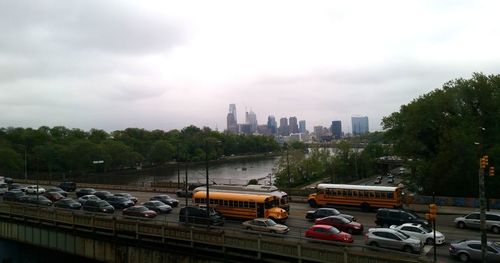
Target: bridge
[(110, 239)]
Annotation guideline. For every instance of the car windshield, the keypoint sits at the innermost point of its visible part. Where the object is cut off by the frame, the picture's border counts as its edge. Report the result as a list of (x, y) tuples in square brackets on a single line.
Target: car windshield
[(333, 230), (141, 209), (270, 222), (401, 235)]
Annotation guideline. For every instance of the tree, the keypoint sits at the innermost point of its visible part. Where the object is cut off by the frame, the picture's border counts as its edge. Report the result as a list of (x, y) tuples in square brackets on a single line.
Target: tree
[(10, 161), (440, 132)]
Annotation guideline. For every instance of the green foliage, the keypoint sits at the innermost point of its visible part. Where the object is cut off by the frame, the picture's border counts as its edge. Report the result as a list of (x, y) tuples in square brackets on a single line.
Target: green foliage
[(440, 132), (64, 150)]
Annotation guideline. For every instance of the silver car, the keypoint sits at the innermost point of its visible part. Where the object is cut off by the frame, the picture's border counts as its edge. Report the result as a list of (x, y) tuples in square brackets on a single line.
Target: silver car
[(472, 220), (265, 225), (467, 250), (392, 238)]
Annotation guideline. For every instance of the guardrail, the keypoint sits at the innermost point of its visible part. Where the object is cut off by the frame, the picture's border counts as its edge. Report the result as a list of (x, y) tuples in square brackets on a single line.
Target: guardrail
[(186, 235)]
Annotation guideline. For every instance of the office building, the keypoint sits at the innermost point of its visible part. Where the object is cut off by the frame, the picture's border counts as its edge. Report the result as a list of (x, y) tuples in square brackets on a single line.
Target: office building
[(359, 125), (271, 124), (232, 109), (292, 124), (302, 126), (336, 129), (251, 119), (283, 130)]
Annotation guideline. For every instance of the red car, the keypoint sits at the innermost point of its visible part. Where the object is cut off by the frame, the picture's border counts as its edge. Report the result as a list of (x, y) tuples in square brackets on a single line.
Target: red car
[(139, 211), (53, 196), (341, 223), (326, 232)]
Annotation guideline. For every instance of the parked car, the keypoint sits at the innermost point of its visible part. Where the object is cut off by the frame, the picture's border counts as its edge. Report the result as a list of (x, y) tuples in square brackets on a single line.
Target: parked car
[(341, 223), (129, 196), (13, 195), (34, 189), (392, 238), (3, 188), (198, 215), (470, 250), (189, 192), (166, 199), (68, 203), (53, 196), (16, 186), (98, 206), (35, 199), (421, 232), (387, 216), (120, 202), (378, 180), (390, 179), (84, 191), (472, 220), (58, 190), (139, 211), (68, 186), (104, 195), (265, 225), (325, 211), (326, 232), (85, 198), (158, 206)]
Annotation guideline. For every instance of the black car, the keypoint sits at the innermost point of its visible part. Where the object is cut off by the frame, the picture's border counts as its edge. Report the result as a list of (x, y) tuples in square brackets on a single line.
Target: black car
[(68, 186), (85, 191), (120, 202), (13, 195), (36, 200), (68, 203), (158, 206), (166, 199), (104, 195), (57, 190), (127, 195), (386, 217), (16, 186), (324, 212), (98, 206), (198, 215), (189, 192)]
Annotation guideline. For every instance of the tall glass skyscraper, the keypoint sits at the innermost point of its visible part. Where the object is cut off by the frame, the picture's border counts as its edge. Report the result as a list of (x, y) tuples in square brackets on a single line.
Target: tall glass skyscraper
[(359, 125), (336, 129)]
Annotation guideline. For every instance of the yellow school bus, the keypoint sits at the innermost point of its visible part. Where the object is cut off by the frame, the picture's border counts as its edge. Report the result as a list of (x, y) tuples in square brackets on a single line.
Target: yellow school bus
[(242, 205), (364, 196)]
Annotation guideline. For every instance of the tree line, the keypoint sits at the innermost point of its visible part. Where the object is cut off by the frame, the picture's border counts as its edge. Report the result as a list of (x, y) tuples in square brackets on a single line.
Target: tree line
[(63, 150)]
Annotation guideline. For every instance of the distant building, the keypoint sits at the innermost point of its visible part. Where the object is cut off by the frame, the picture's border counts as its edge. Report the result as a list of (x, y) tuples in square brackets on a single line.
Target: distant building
[(318, 131), (302, 126), (251, 119), (272, 125), (283, 130), (245, 128), (232, 123), (336, 129), (292, 124), (232, 109), (359, 125), (264, 130)]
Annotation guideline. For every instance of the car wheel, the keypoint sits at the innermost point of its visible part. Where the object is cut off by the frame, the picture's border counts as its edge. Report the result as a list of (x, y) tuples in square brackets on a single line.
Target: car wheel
[(495, 229), (463, 257), (408, 249), (429, 241), (461, 224)]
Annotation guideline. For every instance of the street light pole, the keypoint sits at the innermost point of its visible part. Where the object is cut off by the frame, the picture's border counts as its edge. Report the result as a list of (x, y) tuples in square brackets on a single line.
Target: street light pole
[(178, 170), (25, 163), (207, 200)]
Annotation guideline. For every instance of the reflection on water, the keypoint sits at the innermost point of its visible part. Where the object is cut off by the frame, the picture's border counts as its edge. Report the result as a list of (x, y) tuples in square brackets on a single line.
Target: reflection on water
[(234, 172)]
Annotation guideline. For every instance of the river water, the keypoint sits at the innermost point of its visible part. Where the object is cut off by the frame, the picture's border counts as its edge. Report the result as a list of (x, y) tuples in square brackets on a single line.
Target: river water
[(234, 172)]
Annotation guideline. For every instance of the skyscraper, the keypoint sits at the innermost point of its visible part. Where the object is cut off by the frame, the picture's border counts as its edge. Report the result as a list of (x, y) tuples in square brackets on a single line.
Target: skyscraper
[(271, 124), (232, 109), (359, 125), (283, 129), (292, 124), (251, 119), (302, 126), (232, 124), (336, 129)]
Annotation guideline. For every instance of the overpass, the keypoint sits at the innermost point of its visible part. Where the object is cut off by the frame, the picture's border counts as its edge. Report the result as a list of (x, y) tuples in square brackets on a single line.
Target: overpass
[(111, 239)]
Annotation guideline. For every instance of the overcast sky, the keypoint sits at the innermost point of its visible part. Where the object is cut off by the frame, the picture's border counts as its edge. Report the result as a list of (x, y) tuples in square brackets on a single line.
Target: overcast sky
[(169, 64)]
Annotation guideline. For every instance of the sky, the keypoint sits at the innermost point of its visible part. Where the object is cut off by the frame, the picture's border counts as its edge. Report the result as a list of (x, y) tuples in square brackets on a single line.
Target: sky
[(166, 65)]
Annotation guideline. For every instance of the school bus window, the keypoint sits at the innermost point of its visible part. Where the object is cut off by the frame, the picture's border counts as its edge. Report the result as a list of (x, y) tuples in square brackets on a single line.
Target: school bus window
[(230, 202), (377, 194), (252, 205), (390, 195), (355, 193), (225, 203), (245, 204), (349, 193)]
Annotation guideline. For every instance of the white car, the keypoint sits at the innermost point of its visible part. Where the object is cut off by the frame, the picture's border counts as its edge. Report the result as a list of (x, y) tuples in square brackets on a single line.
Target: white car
[(32, 189), (421, 232), (3, 188)]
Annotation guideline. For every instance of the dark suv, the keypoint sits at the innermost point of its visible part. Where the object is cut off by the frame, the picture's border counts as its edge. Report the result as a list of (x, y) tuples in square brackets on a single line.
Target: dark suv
[(386, 217), (67, 186), (198, 215), (13, 195)]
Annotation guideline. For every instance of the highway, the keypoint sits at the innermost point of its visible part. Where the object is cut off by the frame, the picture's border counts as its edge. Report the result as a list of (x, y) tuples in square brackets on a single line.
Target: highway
[(298, 224)]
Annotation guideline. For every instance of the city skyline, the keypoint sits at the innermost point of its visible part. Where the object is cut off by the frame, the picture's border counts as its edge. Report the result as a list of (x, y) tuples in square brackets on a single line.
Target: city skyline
[(168, 64)]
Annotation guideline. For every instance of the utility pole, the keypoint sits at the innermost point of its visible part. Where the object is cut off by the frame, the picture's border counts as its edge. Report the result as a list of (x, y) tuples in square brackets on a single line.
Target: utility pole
[(288, 166), (483, 163), (207, 199), (178, 170)]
